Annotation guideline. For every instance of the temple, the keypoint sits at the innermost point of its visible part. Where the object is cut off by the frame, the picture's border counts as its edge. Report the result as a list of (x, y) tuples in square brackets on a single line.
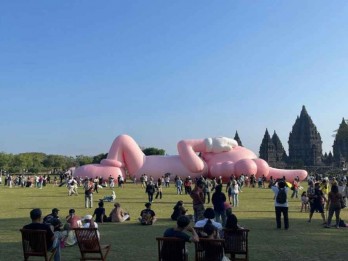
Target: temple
[(305, 145), (340, 146)]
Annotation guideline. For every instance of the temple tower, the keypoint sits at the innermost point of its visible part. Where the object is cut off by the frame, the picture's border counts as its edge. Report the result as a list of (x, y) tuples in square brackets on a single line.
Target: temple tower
[(267, 149), (272, 150), (305, 145), (236, 137), (340, 146)]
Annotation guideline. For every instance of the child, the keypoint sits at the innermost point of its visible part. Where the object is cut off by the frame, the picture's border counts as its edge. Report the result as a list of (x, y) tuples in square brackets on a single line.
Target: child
[(304, 200)]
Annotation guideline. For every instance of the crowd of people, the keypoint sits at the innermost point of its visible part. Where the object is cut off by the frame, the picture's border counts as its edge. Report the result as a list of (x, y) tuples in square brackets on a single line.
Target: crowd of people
[(322, 194)]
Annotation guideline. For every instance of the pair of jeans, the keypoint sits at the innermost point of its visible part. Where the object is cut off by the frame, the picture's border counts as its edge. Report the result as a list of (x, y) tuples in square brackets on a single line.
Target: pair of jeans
[(150, 196), (89, 200), (56, 244), (235, 199), (279, 211)]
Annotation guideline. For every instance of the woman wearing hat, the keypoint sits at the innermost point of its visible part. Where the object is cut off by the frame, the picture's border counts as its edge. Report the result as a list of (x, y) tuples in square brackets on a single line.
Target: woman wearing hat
[(90, 223)]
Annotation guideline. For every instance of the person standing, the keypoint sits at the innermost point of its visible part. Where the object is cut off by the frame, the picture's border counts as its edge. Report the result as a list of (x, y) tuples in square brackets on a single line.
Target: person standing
[(334, 205), (219, 200), (96, 182), (294, 188), (281, 203), (317, 199), (150, 190), (178, 184), (197, 196), (159, 188), (88, 186)]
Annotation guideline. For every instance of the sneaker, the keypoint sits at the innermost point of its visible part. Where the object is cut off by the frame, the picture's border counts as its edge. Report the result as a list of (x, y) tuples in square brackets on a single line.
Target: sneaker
[(309, 221)]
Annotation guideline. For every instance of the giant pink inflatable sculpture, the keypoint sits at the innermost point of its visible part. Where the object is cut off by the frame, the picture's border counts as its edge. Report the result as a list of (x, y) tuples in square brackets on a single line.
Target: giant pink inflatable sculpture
[(218, 157)]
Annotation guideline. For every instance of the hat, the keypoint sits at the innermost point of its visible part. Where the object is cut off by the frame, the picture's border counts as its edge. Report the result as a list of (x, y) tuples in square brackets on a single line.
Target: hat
[(55, 210), (72, 211), (148, 204), (87, 217)]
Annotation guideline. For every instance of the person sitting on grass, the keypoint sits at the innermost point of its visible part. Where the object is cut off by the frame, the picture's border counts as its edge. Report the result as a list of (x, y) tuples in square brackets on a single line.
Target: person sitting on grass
[(99, 213), (179, 210), (73, 220), (52, 241), (118, 214), (54, 215), (147, 216), (90, 223)]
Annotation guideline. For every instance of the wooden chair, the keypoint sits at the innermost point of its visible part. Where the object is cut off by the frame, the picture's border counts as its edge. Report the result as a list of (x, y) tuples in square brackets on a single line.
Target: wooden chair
[(171, 249), (209, 249), (90, 248), (236, 244), (34, 244)]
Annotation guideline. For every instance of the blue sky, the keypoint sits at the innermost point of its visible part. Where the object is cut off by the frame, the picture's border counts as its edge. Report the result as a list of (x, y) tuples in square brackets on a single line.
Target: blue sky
[(75, 74)]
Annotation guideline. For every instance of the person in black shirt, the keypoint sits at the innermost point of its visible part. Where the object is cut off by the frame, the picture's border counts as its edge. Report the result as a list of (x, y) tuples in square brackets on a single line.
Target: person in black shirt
[(36, 224), (99, 213), (147, 216)]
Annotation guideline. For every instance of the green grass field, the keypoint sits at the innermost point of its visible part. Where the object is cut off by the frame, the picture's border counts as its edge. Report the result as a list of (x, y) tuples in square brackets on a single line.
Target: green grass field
[(131, 241)]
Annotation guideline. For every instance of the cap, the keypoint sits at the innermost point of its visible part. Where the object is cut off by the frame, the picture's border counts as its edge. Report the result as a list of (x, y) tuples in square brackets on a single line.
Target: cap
[(87, 217), (72, 211), (55, 210)]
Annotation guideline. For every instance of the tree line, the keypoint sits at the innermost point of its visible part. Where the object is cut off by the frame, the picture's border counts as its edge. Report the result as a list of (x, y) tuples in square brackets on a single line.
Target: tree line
[(37, 162)]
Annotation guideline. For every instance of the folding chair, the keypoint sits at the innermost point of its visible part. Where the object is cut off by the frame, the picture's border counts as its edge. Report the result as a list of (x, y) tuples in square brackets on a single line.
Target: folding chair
[(171, 249), (34, 244), (90, 248), (209, 249), (236, 243)]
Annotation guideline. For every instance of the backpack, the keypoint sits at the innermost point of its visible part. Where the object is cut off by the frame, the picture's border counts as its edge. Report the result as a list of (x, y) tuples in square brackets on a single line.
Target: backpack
[(281, 196)]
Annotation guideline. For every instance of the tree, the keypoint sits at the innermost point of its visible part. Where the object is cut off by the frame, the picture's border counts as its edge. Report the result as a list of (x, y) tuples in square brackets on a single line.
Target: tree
[(4, 160), (98, 158), (83, 160), (153, 151)]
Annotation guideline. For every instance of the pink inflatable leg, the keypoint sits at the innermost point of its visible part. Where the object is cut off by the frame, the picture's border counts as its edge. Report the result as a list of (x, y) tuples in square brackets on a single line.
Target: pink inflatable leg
[(125, 152), (289, 174), (187, 151), (262, 167)]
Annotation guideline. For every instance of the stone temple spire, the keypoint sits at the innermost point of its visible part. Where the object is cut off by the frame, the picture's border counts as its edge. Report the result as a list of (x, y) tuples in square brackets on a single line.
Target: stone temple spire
[(340, 146), (267, 150), (236, 137), (281, 156), (305, 145)]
